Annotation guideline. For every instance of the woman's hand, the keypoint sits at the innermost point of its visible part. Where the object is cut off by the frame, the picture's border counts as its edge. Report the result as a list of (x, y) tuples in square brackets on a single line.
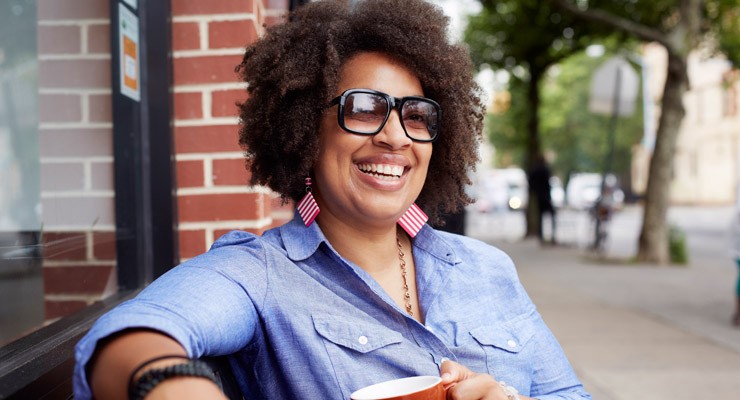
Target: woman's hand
[(464, 384)]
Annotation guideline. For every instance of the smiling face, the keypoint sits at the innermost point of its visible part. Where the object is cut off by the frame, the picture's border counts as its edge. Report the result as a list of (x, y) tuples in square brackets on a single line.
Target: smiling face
[(370, 181)]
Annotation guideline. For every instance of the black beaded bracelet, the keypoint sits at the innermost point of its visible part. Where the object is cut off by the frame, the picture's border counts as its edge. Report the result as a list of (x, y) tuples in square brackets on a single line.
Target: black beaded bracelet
[(153, 377)]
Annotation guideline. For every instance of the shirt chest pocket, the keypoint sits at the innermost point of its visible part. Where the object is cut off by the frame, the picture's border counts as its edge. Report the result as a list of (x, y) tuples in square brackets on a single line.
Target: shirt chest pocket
[(508, 349), (361, 352), (354, 334)]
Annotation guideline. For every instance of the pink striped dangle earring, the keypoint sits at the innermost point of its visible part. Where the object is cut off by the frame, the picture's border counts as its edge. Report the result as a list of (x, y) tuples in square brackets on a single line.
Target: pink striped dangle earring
[(412, 220), (307, 208)]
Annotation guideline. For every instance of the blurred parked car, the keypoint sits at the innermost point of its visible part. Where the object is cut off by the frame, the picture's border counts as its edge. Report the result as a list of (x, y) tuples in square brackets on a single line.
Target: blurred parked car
[(500, 189), (507, 188), (490, 192), (584, 189)]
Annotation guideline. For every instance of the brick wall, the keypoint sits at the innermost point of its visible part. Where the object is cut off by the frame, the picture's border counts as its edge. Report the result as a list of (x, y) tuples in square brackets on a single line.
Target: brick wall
[(76, 153), (213, 195), (76, 147)]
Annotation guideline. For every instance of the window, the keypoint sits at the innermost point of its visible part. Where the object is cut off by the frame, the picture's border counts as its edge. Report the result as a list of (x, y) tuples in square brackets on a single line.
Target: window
[(73, 243)]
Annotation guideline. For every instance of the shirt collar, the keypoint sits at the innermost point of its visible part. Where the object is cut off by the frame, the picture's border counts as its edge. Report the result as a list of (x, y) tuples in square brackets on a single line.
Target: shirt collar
[(301, 241), (431, 241)]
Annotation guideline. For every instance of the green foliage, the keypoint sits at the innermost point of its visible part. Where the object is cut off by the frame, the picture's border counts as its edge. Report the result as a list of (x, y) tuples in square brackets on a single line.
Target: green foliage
[(677, 247), (723, 21), (524, 37), (506, 131), (576, 136), (529, 34)]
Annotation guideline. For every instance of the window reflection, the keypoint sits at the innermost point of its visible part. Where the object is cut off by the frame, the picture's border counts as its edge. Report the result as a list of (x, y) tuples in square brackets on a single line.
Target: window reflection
[(57, 223)]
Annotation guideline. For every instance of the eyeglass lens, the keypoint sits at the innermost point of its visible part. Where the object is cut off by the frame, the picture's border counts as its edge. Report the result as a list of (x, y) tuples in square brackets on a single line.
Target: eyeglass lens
[(367, 112)]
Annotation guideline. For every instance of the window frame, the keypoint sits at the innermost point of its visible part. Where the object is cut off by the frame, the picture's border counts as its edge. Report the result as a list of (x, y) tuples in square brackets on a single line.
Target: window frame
[(40, 364)]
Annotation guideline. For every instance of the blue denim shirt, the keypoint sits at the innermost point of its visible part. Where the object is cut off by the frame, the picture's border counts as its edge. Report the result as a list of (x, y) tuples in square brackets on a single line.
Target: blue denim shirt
[(298, 321)]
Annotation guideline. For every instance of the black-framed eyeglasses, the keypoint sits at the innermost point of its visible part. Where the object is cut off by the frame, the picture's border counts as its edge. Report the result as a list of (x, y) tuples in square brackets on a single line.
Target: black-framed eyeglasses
[(365, 112)]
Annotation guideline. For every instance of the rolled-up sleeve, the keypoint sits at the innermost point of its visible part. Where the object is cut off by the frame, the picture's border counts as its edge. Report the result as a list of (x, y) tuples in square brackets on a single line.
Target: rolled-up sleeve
[(207, 304)]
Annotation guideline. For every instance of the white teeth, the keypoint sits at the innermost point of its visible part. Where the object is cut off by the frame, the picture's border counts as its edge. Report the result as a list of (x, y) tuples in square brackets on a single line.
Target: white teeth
[(383, 171)]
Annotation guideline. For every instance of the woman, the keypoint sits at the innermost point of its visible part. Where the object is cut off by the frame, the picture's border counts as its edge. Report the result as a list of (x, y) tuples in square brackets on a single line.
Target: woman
[(364, 115)]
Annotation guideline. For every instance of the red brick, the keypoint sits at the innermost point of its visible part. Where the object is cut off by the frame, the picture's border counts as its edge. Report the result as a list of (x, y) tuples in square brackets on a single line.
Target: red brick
[(189, 173), (223, 102), (78, 142), (88, 279), (65, 246), (98, 39), (100, 106), (222, 34), (60, 108), (206, 139), (62, 176), (61, 308), (192, 243), (220, 232), (72, 9), (80, 209), (102, 175), (206, 69), (185, 36), (230, 172), (219, 207), (104, 245), (272, 20), (191, 7), (59, 39), (277, 4), (75, 74), (188, 105)]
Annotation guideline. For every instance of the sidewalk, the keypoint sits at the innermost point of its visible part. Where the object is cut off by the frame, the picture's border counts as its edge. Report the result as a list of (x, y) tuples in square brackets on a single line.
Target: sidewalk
[(639, 331)]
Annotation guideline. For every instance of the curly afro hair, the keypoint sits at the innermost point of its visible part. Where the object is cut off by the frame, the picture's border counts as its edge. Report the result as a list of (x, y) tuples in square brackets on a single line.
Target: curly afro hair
[(293, 71)]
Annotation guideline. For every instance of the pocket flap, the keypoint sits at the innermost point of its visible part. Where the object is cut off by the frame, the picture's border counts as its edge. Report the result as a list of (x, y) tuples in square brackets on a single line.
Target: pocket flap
[(510, 337), (354, 333)]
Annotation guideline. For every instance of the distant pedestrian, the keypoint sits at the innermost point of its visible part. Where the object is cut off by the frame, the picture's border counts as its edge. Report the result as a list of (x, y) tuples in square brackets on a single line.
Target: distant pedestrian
[(539, 185), (736, 255)]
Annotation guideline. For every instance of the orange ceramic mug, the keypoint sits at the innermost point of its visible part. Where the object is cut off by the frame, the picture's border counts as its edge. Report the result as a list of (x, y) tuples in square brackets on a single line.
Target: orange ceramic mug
[(413, 388)]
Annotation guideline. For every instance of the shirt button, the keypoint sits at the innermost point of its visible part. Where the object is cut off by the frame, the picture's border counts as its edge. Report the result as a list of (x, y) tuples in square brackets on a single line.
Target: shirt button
[(362, 340), (511, 343)]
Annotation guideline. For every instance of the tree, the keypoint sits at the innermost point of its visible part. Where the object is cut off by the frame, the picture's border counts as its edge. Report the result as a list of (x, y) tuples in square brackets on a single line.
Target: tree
[(566, 119), (680, 26), (525, 37)]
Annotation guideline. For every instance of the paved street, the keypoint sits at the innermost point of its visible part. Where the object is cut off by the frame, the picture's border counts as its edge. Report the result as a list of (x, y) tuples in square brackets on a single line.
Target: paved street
[(633, 331)]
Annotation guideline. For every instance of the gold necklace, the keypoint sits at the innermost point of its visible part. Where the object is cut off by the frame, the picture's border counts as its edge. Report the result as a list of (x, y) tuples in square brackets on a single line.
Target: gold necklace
[(406, 294)]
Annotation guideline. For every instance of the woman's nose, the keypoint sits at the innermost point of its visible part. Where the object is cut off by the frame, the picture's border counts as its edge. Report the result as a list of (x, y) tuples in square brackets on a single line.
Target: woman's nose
[(392, 135)]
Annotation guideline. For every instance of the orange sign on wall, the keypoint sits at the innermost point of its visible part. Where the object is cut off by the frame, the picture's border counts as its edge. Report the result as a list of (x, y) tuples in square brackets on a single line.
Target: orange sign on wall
[(128, 24)]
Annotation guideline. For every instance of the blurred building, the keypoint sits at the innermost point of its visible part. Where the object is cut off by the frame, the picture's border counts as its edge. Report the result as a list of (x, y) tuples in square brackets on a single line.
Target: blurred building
[(707, 158)]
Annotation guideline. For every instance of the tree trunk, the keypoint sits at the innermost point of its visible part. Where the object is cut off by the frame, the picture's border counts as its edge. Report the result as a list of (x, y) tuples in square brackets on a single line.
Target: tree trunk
[(653, 243), (534, 148)]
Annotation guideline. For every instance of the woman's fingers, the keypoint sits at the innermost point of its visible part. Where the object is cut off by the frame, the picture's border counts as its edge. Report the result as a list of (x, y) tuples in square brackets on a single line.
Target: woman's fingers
[(452, 372), (464, 384), (478, 387)]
